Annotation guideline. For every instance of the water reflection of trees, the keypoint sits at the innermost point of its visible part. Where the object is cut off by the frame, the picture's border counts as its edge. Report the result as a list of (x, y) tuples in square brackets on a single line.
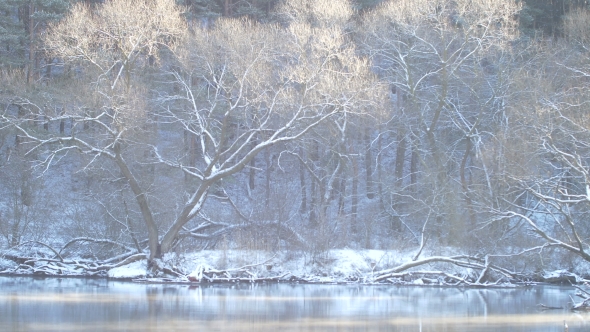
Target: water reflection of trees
[(74, 303)]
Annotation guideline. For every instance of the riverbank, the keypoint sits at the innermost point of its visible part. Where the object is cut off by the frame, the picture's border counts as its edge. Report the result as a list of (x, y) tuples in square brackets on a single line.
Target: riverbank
[(333, 266)]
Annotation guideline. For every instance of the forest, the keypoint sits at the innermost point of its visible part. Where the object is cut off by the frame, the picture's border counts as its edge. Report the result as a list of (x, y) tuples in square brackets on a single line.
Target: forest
[(136, 129)]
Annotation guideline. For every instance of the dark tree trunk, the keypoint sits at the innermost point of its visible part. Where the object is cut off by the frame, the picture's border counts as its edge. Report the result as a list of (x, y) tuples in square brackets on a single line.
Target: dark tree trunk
[(414, 164), (269, 167), (252, 171), (303, 206), (369, 165), (400, 157), (354, 197)]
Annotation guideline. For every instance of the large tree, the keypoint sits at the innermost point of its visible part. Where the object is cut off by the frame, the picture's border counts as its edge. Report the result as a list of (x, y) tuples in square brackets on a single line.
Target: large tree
[(444, 63), (232, 91), (554, 194)]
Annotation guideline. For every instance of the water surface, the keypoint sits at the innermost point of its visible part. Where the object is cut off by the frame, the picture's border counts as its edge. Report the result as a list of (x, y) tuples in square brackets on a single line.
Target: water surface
[(52, 304)]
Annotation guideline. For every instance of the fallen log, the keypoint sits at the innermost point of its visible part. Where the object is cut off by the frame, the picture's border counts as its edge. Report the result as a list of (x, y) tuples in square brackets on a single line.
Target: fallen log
[(560, 277), (467, 262), (546, 307), (238, 274), (585, 304), (433, 278), (581, 306)]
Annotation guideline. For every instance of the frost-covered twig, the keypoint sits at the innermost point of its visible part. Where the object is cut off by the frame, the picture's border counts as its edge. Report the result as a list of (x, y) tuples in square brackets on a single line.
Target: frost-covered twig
[(100, 241), (57, 254)]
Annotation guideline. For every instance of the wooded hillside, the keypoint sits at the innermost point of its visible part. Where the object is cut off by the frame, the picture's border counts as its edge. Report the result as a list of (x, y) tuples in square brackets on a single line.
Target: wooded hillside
[(135, 126)]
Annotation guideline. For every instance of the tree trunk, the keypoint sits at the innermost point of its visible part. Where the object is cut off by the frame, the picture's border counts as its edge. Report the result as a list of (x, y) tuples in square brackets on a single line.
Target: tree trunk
[(414, 164), (369, 164), (269, 165), (354, 197), (188, 212), (315, 197), (30, 10), (466, 193), (142, 201), (303, 206), (341, 194), (400, 157), (252, 175), (227, 8)]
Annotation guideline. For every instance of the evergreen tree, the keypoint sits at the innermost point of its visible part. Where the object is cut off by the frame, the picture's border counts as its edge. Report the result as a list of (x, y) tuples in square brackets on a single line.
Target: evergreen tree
[(546, 15), (21, 21), (365, 4), (203, 9), (12, 35)]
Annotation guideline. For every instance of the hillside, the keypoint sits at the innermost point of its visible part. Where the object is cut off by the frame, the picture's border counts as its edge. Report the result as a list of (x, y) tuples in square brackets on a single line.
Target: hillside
[(145, 130)]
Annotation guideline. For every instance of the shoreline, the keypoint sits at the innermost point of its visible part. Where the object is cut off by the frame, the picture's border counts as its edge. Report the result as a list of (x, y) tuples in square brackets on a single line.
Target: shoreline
[(295, 281), (338, 266)]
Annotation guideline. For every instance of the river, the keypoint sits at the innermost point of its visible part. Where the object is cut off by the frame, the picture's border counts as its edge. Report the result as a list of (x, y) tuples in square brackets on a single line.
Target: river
[(71, 304)]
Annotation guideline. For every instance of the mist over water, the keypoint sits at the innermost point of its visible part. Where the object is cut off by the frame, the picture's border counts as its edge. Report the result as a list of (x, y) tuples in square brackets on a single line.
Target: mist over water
[(53, 304)]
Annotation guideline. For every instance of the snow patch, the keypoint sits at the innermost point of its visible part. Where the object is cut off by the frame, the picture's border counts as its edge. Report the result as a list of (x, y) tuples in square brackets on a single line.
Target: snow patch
[(561, 276), (348, 262), (332, 265), (129, 271), (7, 264)]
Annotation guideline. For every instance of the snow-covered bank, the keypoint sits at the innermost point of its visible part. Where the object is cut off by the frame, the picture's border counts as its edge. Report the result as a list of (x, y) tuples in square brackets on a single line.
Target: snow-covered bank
[(333, 266)]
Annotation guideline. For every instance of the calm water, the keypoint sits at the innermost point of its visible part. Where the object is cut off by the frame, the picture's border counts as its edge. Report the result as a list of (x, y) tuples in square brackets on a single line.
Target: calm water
[(51, 304)]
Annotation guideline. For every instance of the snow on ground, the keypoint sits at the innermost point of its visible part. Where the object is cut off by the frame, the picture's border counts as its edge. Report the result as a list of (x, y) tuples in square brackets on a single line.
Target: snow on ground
[(337, 265), (7, 264), (331, 265), (325, 266), (561, 276), (129, 271)]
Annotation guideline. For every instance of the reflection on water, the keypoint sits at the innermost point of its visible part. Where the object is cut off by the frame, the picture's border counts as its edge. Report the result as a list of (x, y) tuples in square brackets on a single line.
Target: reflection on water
[(51, 304)]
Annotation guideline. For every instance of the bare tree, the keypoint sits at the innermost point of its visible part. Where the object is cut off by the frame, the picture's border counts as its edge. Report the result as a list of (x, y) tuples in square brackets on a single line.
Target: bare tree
[(553, 197), (246, 87), (232, 91), (440, 59)]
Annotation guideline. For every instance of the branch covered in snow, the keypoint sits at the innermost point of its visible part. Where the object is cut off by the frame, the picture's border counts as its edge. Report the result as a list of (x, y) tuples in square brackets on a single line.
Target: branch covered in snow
[(467, 262)]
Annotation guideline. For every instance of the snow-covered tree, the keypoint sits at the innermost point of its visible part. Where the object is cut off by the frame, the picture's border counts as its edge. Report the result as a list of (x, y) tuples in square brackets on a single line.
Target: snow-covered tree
[(442, 60), (232, 92), (553, 197)]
